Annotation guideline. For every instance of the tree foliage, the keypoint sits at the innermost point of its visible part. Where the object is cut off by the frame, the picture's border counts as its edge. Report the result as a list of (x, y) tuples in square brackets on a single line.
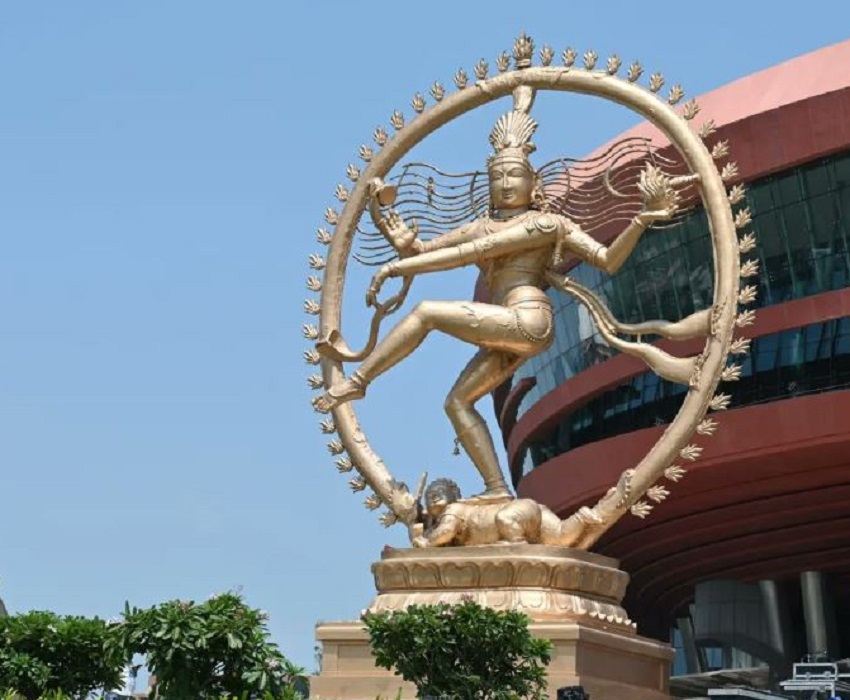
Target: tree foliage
[(204, 650), (42, 652), (465, 651)]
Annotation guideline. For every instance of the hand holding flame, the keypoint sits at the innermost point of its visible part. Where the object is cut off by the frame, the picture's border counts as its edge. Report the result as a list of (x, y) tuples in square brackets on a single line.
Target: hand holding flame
[(660, 198)]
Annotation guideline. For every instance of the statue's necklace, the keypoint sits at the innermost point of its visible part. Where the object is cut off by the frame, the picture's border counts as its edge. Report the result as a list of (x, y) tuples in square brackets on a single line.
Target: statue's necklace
[(501, 224)]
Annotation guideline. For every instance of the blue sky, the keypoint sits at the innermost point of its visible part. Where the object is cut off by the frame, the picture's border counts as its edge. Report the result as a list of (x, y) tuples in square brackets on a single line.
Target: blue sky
[(163, 168)]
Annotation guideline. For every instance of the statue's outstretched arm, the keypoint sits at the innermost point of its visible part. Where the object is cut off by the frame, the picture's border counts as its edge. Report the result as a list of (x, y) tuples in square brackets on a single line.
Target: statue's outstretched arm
[(441, 534), (401, 236), (608, 258), (447, 240), (660, 202), (514, 239)]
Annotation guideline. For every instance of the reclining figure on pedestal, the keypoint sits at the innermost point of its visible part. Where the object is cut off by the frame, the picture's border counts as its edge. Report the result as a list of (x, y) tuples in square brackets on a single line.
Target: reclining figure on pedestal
[(448, 520)]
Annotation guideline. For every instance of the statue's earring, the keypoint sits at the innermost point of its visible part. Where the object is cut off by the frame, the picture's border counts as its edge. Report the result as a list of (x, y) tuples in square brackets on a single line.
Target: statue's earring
[(538, 195)]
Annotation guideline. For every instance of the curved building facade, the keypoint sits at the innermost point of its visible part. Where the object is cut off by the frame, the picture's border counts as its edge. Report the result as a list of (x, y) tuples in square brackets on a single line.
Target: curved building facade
[(747, 566)]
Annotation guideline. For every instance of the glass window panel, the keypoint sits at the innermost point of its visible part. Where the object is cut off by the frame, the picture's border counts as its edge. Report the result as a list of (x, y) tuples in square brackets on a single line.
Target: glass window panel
[(842, 340), (814, 334), (842, 184), (796, 229), (841, 170), (765, 353), (635, 391), (768, 227), (823, 211), (650, 388), (714, 658), (827, 340), (802, 274), (787, 187), (558, 373), (777, 272), (791, 348), (760, 198), (816, 179)]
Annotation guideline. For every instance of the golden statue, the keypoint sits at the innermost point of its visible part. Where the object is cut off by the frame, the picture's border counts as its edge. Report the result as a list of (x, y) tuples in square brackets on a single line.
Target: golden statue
[(519, 225), (515, 245)]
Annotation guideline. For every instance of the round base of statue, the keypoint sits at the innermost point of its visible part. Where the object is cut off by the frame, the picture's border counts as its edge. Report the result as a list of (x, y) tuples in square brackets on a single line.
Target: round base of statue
[(573, 598), (544, 582)]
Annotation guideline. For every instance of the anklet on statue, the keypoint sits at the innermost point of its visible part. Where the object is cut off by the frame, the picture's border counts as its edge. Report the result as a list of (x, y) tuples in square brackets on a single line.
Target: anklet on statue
[(347, 390)]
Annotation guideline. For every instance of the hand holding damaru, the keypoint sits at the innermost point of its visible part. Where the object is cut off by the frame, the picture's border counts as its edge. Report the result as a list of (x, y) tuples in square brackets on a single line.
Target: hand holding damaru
[(392, 226)]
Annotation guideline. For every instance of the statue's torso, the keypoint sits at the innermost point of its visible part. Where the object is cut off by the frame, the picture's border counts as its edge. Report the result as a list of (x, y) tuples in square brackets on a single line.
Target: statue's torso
[(516, 277), (479, 524)]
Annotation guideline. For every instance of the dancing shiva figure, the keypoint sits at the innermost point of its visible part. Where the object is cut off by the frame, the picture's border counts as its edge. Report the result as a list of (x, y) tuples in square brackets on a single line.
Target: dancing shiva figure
[(515, 245)]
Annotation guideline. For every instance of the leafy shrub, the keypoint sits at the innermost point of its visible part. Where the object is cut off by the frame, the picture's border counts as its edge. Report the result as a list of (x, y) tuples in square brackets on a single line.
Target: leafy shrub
[(42, 652), (219, 647), (465, 651)]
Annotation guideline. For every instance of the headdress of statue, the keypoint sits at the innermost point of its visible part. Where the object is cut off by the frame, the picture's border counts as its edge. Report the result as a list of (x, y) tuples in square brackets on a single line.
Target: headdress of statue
[(511, 136)]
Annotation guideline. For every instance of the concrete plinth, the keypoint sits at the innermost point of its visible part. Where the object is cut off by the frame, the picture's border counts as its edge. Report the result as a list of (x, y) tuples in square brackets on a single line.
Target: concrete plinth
[(608, 664)]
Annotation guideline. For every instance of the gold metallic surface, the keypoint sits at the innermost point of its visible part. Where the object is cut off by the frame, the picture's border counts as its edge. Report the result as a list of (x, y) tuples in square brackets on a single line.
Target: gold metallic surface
[(518, 243), (449, 520), (546, 583)]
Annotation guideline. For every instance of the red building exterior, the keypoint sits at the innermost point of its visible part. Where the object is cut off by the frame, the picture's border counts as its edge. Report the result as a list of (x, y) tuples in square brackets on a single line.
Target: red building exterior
[(747, 564)]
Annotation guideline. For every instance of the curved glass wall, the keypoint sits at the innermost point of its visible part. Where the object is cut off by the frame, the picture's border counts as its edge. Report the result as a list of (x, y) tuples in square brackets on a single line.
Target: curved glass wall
[(801, 218), (805, 360)]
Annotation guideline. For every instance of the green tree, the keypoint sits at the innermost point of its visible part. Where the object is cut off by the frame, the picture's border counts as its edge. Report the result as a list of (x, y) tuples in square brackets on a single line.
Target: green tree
[(219, 647), (465, 651), (42, 652)]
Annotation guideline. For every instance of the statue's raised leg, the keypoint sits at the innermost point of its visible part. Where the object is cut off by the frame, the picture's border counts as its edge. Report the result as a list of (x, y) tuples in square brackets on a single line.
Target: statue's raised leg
[(479, 324)]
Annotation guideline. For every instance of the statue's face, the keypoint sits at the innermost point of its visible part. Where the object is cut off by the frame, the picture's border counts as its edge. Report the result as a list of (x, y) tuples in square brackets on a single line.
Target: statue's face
[(511, 184), (436, 501)]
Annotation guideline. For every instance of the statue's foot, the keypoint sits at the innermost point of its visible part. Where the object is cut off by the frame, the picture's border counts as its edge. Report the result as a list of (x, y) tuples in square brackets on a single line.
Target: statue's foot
[(496, 494), (340, 393)]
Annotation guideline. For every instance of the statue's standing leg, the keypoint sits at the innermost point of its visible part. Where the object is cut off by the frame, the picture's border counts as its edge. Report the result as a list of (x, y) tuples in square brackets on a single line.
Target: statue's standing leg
[(505, 345), (484, 373)]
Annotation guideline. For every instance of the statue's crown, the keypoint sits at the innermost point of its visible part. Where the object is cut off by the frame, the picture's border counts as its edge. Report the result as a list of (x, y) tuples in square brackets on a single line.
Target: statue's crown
[(512, 134)]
